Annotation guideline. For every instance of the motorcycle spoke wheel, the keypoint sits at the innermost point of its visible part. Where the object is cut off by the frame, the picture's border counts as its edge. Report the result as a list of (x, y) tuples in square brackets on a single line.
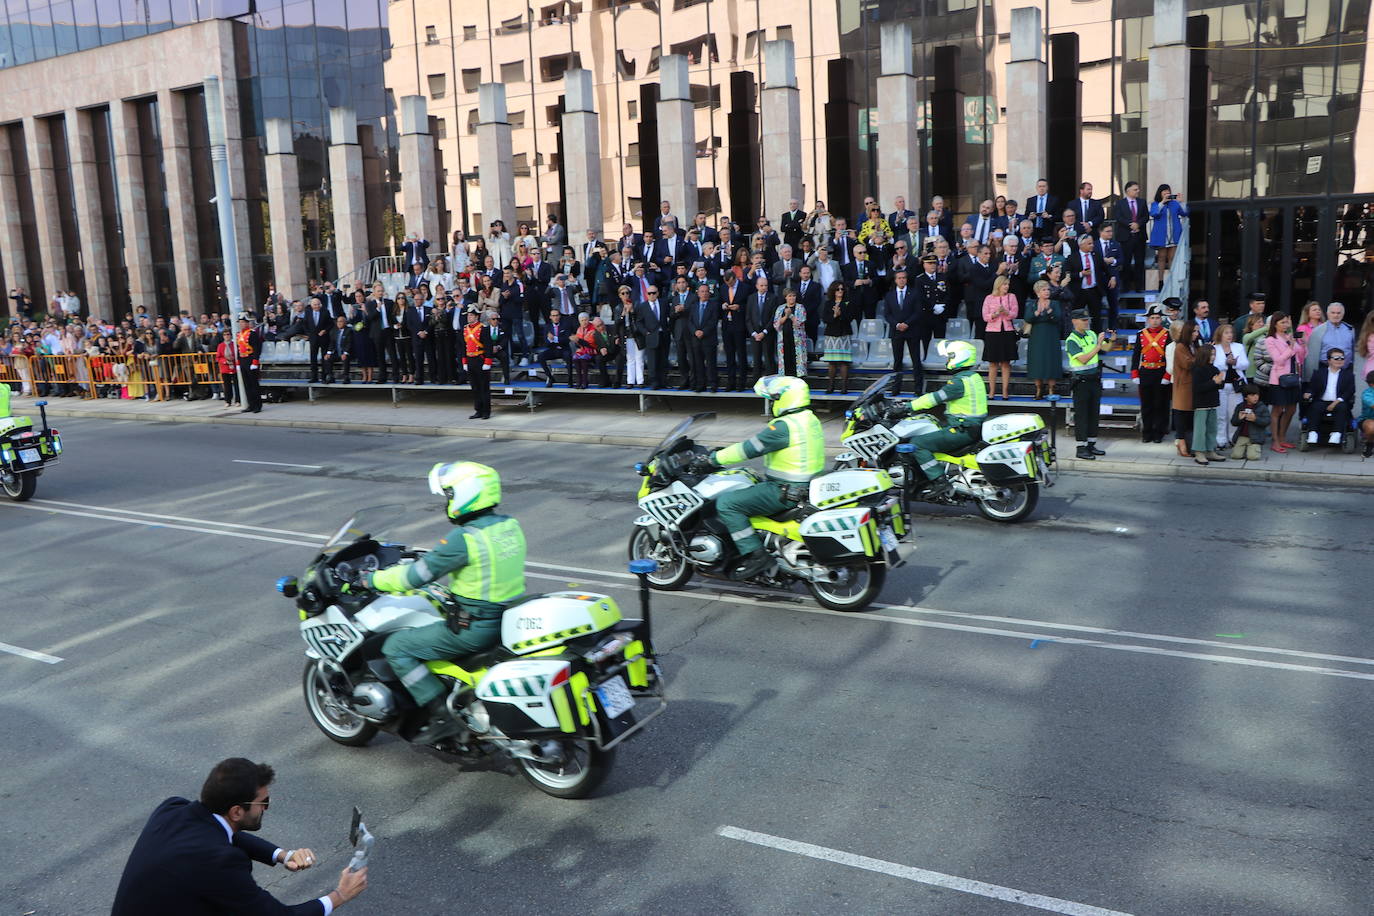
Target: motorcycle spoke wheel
[(1013, 503), (338, 722), (673, 569), (855, 587), (582, 768)]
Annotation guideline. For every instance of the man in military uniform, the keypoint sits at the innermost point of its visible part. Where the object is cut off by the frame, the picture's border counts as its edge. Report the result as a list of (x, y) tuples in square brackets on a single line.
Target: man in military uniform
[(965, 397), (793, 446), (483, 558), (1083, 348), (1148, 368), (934, 294)]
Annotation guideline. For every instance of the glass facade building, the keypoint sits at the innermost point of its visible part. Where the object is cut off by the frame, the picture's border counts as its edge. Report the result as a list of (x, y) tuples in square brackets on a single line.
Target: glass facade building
[(292, 59), (1278, 129)]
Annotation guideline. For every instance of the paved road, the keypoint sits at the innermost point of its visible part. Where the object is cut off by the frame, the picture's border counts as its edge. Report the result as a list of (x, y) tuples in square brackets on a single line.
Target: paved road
[(1193, 740)]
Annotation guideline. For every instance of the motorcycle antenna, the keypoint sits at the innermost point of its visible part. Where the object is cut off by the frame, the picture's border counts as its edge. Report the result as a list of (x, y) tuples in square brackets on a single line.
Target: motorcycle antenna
[(642, 568)]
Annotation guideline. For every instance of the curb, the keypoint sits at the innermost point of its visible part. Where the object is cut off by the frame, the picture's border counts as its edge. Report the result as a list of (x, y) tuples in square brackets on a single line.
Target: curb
[(1074, 465)]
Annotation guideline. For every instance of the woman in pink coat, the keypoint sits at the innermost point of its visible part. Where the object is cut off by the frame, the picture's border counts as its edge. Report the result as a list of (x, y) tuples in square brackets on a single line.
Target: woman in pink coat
[(1287, 354)]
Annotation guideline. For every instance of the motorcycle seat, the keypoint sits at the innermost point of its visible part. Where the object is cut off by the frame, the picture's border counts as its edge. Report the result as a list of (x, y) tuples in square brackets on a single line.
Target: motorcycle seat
[(963, 450)]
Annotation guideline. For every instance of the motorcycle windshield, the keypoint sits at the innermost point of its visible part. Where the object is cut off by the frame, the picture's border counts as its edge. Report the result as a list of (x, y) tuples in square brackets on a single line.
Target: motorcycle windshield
[(373, 522), (876, 390), (682, 431)]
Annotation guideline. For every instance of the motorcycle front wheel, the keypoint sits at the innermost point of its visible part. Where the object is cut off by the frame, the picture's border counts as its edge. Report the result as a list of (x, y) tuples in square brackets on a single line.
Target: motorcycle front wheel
[(19, 487), (673, 569), (577, 775), (340, 724), (1015, 502), (855, 587)]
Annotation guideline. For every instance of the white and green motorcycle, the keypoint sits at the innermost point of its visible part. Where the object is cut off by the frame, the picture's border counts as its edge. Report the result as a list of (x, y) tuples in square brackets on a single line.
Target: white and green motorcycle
[(569, 681), (839, 540)]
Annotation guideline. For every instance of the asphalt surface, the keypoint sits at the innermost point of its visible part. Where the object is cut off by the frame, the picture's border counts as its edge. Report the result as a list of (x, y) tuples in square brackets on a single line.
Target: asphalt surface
[(1153, 698)]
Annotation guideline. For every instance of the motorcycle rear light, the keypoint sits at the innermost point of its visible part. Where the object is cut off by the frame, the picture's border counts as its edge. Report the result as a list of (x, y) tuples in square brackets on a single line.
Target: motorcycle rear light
[(866, 518)]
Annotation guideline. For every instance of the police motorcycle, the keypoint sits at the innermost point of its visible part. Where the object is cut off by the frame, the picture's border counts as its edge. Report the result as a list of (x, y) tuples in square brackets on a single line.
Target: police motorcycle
[(24, 451), (839, 542), (570, 680), (1001, 474)]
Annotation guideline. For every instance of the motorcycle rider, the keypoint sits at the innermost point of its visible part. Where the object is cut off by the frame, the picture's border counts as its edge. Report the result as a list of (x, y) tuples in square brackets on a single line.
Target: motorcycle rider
[(793, 446), (484, 560), (965, 397)]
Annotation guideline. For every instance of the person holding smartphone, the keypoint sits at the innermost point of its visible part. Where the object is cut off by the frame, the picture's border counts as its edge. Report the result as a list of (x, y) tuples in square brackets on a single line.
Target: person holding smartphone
[(1167, 213), (1084, 348)]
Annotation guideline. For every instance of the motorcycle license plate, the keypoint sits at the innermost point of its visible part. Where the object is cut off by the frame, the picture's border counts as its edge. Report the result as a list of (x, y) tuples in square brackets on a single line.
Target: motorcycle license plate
[(29, 455), (615, 697)]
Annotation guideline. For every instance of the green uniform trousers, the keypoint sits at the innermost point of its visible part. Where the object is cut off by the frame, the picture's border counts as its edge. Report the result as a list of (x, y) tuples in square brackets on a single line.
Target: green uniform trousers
[(1087, 404), (735, 508), (941, 440), (408, 650)]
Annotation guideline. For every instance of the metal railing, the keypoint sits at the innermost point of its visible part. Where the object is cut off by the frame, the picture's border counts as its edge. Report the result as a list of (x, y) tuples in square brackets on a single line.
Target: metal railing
[(1175, 281)]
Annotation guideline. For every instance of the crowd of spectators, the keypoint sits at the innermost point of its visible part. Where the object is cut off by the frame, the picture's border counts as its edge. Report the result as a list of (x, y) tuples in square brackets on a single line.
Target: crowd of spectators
[(779, 298)]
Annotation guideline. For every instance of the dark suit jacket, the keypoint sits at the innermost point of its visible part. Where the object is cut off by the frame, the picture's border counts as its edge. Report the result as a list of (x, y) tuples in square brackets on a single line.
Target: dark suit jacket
[(313, 329), (790, 225), (415, 251), (1112, 249), (758, 318), (1345, 387), (861, 297), (634, 240), (1073, 272), (707, 323), (414, 320), (1052, 207), (812, 298), (560, 331), (539, 275), (183, 863), (910, 313), (977, 283), (665, 260), (333, 345), (924, 239), (897, 220), (1089, 211), (732, 324), (651, 332), (1122, 214), (842, 249)]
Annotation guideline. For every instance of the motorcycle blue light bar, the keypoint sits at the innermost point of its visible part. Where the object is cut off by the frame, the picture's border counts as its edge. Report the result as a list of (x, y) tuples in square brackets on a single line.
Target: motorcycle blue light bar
[(643, 567)]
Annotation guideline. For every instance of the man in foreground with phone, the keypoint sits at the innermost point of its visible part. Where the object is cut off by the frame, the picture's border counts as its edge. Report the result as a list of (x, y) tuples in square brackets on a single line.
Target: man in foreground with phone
[(1084, 347)]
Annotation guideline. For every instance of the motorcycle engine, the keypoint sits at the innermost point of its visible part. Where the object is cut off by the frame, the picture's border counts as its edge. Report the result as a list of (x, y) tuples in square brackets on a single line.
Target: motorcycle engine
[(705, 548), (373, 701)]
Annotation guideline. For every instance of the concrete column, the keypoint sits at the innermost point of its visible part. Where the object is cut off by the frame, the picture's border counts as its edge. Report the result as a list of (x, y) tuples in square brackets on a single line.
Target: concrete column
[(89, 213), (494, 157), (781, 107), (899, 140), (284, 209), (1167, 135), (346, 187), (176, 169), (45, 208), (1027, 102), (677, 139), (11, 230), (581, 157), (133, 204), (419, 185)]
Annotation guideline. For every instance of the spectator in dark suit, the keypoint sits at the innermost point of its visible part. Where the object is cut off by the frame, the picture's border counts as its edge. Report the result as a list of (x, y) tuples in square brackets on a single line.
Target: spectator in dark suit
[(416, 276), (196, 858), (665, 216), (758, 311), (977, 274), (860, 279), (786, 269), (1043, 209), (416, 251), (1088, 279), (931, 233), (632, 240), (810, 296), (416, 317), (553, 337), (702, 322), (734, 293), (982, 225), (652, 330), (1112, 256), (1088, 211), (1131, 218), (946, 215), (705, 231), (842, 247), (317, 327), (791, 225), (1329, 397), (538, 274), (906, 321)]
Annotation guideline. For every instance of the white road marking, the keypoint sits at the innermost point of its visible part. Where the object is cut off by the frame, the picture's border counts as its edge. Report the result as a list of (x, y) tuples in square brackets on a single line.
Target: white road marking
[(919, 875), (280, 464), (176, 518), (43, 657), (580, 574)]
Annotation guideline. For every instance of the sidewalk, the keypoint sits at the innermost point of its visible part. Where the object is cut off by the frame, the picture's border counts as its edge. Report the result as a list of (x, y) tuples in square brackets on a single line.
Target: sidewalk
[(615, 421)]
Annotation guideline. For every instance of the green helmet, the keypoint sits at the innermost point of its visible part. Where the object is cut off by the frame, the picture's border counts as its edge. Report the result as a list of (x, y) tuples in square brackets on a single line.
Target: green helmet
[(959, 354), (468, 486), (785, 392)]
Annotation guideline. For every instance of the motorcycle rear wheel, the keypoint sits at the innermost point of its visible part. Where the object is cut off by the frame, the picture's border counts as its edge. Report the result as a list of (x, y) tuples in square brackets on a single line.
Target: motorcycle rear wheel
[(20, 487), (673, 570), (339, 724), (1020, 502), (577, 776), (862, 584)]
